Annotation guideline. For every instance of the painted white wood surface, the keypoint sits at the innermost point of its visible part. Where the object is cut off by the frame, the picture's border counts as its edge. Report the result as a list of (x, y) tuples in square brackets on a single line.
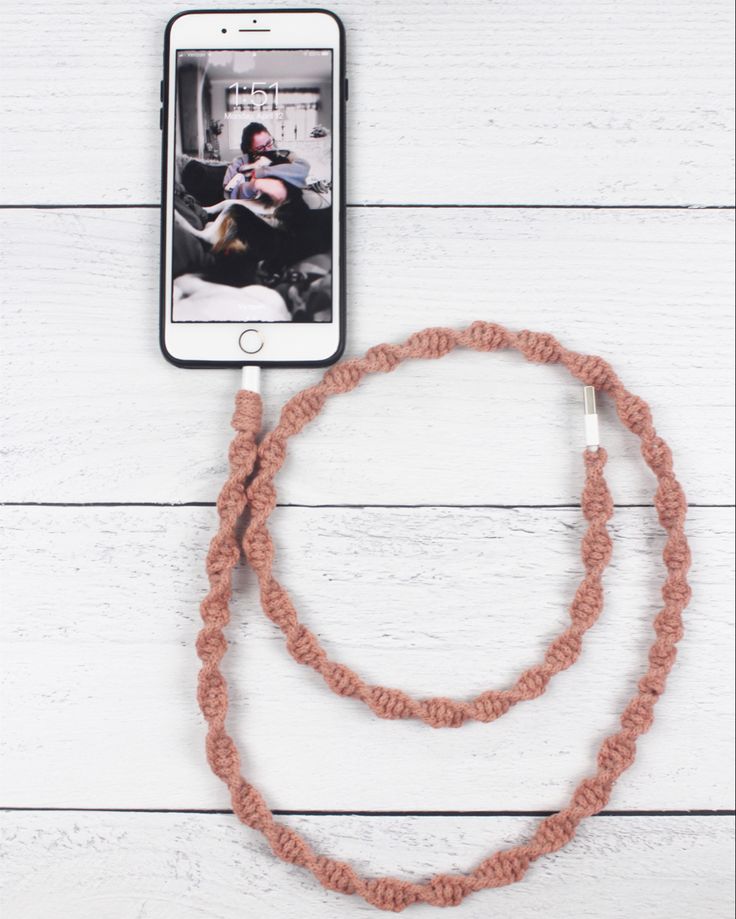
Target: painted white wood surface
[(93, 413), (601, 104), (626, 102), (208, 866), (100, 666)]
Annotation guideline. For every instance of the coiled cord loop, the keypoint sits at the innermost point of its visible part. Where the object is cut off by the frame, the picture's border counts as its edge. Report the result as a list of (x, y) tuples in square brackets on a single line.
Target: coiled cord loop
[(253, 467)]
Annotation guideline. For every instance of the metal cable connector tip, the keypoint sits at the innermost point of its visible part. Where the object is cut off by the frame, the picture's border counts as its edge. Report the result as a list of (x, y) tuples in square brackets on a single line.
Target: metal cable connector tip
[(592, 436)]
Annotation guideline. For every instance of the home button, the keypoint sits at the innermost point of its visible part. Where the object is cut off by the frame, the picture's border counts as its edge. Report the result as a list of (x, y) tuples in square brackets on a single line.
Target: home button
[(251, 341)]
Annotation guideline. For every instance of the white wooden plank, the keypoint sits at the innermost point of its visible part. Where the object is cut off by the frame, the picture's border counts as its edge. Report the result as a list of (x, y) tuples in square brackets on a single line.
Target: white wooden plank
[(99, 664), (188, 866), (604, 103), (92, 412)]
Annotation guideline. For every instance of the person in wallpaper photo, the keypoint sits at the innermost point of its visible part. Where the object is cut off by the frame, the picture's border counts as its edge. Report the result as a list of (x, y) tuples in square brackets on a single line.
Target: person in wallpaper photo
[(252, 230)]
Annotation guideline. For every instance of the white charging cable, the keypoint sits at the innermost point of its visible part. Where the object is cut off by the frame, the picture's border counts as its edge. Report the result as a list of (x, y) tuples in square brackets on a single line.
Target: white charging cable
[(251, 378)]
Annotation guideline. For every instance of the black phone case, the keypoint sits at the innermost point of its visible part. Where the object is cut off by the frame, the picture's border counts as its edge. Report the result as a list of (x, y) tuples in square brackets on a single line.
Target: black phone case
[(341, 202)]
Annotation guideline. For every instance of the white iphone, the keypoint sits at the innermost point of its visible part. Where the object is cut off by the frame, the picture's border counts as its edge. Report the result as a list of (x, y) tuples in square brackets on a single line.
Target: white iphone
[(253, 198)]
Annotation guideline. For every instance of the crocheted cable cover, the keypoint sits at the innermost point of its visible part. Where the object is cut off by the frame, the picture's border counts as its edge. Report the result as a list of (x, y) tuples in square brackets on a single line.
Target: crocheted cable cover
[(250, 485)]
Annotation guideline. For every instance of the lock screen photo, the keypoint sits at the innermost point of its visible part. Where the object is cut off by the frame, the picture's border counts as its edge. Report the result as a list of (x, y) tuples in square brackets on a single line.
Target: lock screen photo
[(252, 232)]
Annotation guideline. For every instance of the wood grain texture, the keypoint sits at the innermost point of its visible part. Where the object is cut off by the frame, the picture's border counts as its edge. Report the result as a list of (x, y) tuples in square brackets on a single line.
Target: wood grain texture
[(493, 103), (99, 662), (92, 412), (625, 102), (208, 866)]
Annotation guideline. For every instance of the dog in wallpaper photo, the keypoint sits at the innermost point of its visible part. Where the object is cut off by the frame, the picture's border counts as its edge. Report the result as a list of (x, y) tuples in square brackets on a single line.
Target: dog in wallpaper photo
[(252, 237)]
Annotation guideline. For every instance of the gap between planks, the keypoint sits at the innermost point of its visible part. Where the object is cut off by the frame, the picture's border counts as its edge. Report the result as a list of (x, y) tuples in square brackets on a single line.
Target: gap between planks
[(500, 507), (446, 206), (693, 812)]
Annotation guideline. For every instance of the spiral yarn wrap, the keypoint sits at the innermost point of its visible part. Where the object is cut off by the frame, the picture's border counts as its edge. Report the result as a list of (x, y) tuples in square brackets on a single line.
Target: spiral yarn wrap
[(250, 485)]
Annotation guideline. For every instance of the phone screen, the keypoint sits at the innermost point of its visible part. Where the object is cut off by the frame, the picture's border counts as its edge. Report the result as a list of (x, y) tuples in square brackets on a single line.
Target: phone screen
[(252, 234)]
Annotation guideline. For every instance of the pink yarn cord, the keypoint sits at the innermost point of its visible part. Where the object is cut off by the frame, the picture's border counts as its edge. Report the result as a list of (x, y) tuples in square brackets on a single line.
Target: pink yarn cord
[(253, 488)]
